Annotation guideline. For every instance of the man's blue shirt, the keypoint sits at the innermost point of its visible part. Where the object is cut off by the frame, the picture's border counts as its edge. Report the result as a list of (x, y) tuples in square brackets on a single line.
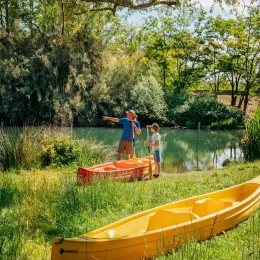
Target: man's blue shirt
[(127, 134)]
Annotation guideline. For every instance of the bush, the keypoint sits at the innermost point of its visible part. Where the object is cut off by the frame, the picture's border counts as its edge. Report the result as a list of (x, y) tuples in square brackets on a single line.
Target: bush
[(58, 149), (230, 123), (147, 98), (34, 148), (250, 143), (175, 102), (206, 109)]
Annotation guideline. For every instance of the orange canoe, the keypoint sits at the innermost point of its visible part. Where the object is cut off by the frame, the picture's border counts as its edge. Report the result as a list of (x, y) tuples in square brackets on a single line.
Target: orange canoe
[(119, 170)]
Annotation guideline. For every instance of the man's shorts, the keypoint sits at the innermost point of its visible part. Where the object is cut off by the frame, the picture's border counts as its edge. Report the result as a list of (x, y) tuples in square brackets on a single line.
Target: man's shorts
[(125, 146), (157, 156)]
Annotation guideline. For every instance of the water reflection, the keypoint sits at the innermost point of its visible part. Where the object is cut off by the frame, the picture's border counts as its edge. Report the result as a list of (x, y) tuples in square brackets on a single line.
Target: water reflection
[(179, 147)]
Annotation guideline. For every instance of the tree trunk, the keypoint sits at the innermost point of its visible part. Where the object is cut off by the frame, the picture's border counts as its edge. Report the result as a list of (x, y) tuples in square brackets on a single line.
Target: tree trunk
[(164, 79), (246, 99), (233, 97), (233, 100), (31, 17), (63, 17), (7, 17), (1, 18), (242, 97)]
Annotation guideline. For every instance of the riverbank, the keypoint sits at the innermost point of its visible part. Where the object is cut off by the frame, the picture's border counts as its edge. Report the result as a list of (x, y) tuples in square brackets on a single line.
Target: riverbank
[(37, 206)]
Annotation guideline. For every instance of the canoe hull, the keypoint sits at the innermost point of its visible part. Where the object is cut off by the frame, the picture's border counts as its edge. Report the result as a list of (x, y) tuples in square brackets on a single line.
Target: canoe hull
[(119, 170), (153, 231)]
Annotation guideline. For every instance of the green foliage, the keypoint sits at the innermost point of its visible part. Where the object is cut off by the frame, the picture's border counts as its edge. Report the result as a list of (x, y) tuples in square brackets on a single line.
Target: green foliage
[(58, 150), (205, 109), (10, 151), (174, 101), (170, 43), (251, 141), (36, 148), (43, 205), (59, 70), (147, 98), (230, 123)]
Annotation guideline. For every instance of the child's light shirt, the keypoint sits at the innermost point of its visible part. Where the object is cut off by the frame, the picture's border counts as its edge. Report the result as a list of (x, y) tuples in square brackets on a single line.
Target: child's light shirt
[(156, 137)]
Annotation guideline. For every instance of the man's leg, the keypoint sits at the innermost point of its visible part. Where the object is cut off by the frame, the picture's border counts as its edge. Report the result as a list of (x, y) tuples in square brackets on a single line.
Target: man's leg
[(119, 156), (128, 149)]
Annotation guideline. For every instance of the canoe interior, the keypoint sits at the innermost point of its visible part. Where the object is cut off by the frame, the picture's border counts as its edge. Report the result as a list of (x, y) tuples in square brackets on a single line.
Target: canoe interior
[(120, 170), (190, 210)]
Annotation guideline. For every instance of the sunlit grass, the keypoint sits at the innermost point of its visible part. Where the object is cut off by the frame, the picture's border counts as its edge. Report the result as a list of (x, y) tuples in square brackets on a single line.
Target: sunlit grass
[(47, 147), (38, 206)]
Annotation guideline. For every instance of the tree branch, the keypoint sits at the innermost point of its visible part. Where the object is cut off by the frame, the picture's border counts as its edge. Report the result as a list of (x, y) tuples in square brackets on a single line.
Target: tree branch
[(129, 4), (111, 5)]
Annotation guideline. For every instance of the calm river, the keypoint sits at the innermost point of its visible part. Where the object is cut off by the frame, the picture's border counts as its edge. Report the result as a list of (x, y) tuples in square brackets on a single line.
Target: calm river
[(182, 150)]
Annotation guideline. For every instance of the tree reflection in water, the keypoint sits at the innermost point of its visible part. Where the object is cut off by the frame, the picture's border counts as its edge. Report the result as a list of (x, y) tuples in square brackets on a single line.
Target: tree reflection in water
[(179, 146)]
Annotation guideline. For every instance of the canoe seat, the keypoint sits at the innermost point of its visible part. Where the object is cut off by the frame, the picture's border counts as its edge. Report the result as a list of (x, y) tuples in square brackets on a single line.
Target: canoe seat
[(165, 218), (208, 206), (125, 164), (110, 168), (106, 169)]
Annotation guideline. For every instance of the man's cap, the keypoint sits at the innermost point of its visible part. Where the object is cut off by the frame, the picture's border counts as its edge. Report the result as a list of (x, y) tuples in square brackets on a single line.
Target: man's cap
[(131, 112)]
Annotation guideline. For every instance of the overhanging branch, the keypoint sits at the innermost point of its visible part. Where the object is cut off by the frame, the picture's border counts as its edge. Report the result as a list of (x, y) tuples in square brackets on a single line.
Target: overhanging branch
[(137, 5)]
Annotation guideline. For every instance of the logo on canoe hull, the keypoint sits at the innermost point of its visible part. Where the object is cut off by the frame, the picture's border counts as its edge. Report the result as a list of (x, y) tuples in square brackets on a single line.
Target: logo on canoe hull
[(62, 251)]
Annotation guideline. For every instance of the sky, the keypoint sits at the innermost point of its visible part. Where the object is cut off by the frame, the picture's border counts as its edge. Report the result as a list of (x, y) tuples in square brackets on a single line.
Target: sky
[(138, 16)]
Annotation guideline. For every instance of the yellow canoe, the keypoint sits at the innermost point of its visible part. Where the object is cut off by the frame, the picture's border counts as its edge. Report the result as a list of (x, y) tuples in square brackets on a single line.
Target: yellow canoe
[(158, 230)]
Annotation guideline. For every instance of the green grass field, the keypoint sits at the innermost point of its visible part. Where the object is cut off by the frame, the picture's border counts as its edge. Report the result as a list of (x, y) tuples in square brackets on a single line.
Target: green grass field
[(37, 206)]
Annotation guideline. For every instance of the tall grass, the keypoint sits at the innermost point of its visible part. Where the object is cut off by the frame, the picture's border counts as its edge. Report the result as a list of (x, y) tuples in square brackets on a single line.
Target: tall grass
[(36, 148), (251, 140), (10, 150), (38, 206)]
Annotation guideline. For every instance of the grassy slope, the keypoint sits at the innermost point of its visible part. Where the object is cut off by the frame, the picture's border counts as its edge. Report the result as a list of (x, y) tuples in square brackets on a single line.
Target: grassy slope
[(36, 207)]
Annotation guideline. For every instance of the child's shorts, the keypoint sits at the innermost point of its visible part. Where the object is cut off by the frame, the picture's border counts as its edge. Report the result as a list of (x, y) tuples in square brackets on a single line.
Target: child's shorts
[(157, 156)]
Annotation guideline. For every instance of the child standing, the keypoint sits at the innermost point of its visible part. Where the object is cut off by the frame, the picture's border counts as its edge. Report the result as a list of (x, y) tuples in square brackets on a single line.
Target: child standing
[(155, 143)]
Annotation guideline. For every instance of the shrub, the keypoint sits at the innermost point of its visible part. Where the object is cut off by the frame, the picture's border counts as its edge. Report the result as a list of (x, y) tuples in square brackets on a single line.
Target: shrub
[(206, 109), (147, 98), (230, 123), (176, 102), (58, 149), (34, 148), (250, 143)]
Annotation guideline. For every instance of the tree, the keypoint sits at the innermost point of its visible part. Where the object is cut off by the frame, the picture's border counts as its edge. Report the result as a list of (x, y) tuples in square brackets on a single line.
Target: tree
[(176, 48), (113, 5), (250, 52), (147, 98), (238, 52), (229, 61)]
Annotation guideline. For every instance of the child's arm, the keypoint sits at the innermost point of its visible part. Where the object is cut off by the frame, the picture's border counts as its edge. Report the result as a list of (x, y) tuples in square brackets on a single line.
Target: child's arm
[(157, 143)]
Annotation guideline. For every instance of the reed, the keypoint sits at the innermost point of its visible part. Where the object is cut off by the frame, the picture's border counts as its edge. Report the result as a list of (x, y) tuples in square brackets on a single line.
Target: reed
[(251, 141), (10, 150), (40, 147)]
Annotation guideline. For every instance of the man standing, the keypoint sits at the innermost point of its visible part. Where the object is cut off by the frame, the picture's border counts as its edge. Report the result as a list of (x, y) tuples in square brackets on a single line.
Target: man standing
[(130, 125)]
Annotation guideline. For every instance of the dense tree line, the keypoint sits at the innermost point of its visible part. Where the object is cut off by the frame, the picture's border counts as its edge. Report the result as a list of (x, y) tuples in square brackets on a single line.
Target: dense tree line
[(62, 63)]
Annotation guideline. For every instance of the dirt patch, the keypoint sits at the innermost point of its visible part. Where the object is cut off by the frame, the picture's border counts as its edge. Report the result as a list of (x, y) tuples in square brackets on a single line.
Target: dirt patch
[(253, 102)]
